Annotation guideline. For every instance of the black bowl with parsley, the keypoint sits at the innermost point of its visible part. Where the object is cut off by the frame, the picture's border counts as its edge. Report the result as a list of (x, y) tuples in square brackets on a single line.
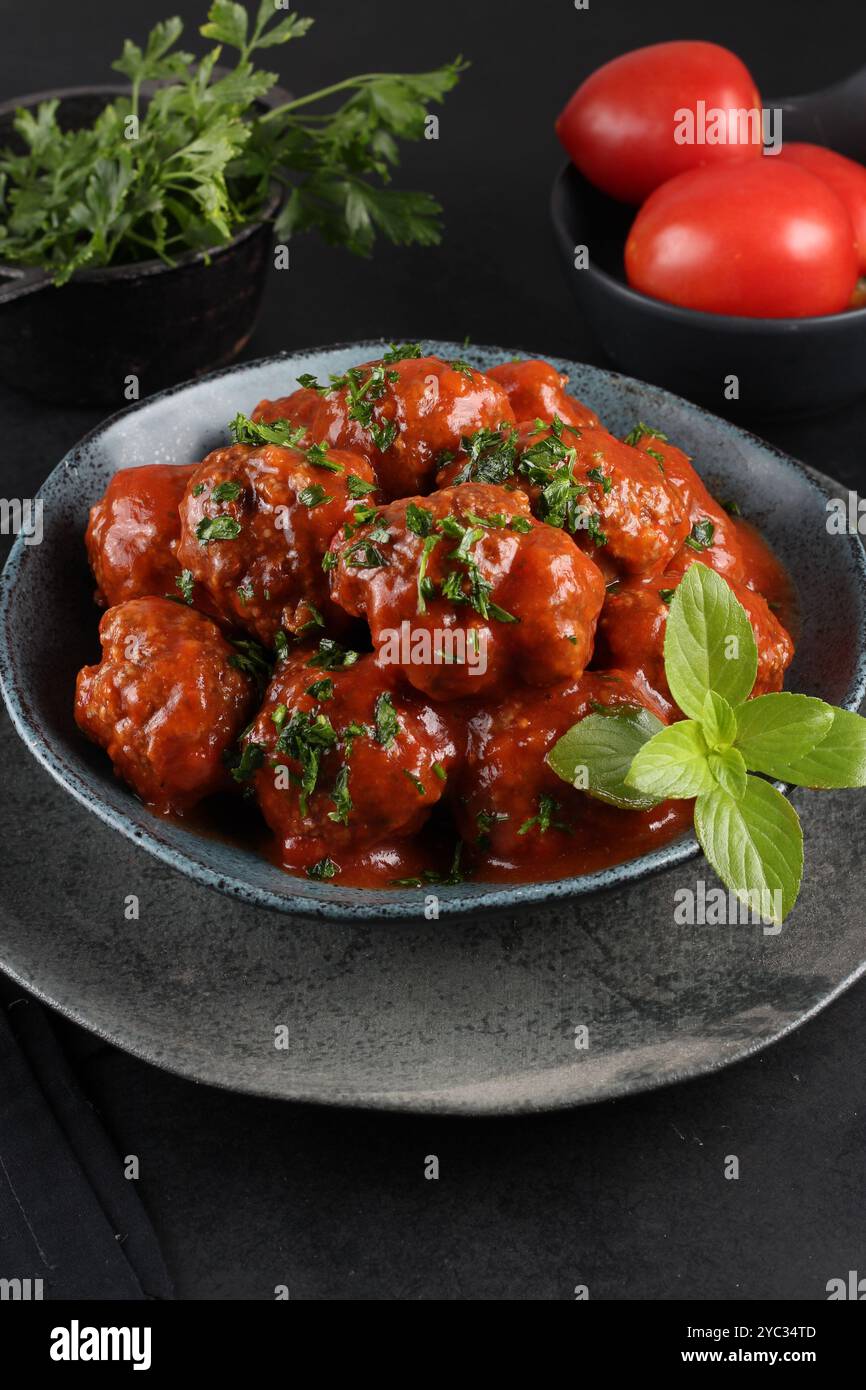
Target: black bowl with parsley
[(84, 341)]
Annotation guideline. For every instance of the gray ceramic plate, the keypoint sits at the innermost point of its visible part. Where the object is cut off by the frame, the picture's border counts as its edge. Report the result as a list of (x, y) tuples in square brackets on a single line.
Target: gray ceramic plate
[(48, 622), (465, 1016)]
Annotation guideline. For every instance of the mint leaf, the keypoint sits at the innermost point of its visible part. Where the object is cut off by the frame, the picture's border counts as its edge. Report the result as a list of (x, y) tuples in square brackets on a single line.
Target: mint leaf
[(673, 764), (718, 721), (839, 760), (729, 770), (774, 732), (709, 643), (755, 845), (596, 754)]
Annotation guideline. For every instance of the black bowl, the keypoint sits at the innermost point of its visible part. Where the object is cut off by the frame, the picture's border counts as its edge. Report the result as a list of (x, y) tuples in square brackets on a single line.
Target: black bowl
[(78, 344), (785, 368)]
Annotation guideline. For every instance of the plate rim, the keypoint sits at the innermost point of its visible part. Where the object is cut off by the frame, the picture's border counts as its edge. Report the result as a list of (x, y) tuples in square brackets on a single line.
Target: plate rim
[(381, 905)]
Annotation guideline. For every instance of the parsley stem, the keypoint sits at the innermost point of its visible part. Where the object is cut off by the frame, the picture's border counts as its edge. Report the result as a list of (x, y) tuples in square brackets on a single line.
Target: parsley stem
[(346, 85)]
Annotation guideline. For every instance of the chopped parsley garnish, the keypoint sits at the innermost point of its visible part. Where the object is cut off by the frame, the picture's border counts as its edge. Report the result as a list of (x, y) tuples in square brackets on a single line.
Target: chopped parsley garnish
[(251, 759), (363, 554), (185, 584), (228, 491), (732, 508), (599, 476), (252, 659), (416, 781), (198, 490), (313, 496), (305, 738), (341, 797), (419, 520), (521, 524), (245, 592), (358, 487), (399, 351), (321, 690), (383, 435), (315, 619), (593, 526), (246, 431), (642, 431), (279, 715), (323, 869), (331, 656), (317, 456), (545, 817), (330, 561), (217, 528), (666, 595), (281, 643), (550, 464), (485, 820), (491, 456), (387, 724), (439, 771), (458, 365), (426, 587), (701, 535)]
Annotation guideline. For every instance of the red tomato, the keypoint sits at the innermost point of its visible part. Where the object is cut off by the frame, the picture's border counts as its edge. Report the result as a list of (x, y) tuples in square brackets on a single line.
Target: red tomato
[(846, 178), (762, 239), (621, 127)]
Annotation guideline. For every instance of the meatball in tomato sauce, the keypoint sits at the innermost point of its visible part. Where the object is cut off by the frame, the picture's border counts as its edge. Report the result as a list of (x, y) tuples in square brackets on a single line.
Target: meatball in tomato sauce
[(344, 760), (464, 589), (631, 632), (166, 701), (613, 500), (407, 416), (256, 522), (299, 408), (133, 533), (536, 391), (509, 804)]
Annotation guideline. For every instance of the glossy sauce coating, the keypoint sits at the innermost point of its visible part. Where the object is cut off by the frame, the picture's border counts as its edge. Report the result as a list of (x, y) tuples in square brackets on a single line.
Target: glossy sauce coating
[(270, 515), (487, 594), (165, 701), (536, 391), (422, 406), (133, 532), (382, 757)]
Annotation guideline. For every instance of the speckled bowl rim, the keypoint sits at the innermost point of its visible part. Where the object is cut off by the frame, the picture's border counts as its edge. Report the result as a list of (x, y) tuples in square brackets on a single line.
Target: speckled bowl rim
[(325, 901)]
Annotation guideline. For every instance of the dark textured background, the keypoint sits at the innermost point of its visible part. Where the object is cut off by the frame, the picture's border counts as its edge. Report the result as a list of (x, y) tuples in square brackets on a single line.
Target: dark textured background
[(627, 1197)]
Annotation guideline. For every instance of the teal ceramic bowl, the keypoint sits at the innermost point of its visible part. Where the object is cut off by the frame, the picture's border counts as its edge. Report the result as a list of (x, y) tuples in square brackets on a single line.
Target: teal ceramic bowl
[(48, 621)]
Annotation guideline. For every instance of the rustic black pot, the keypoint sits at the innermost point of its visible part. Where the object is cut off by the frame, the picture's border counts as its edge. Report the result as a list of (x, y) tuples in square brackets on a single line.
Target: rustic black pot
[(78, 344)]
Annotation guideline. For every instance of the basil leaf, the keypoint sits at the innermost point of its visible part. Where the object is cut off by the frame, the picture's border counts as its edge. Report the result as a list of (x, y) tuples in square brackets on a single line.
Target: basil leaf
[(839, 760), (673, 764), (729, 770), (775, 731), (755, 845), (596, 754), (718, 721), (709, 643)]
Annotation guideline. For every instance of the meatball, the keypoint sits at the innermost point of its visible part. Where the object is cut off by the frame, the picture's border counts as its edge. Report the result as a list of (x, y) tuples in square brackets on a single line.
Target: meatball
[(631, 633), (344, 760), (256, 522), (713, 534), (298, 408), (610, 497), (133, 532), (464, 589), (406, 414), (536, 391), (508, 803), (166, 701)]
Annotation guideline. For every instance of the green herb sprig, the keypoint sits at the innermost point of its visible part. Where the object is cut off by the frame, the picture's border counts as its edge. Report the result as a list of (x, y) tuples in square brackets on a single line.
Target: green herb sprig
[(185, 169), (748, 831)]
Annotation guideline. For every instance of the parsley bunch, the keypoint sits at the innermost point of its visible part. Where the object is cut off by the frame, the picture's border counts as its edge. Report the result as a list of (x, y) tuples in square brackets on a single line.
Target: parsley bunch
[(187, 168), (748, 831)]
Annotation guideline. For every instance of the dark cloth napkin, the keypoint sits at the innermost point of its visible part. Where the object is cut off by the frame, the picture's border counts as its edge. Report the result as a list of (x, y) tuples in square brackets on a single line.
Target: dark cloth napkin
[(68, 1216)]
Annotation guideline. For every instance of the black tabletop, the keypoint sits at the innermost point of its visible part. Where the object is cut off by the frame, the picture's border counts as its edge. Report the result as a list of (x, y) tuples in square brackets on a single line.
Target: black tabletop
[(629, 1198)]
